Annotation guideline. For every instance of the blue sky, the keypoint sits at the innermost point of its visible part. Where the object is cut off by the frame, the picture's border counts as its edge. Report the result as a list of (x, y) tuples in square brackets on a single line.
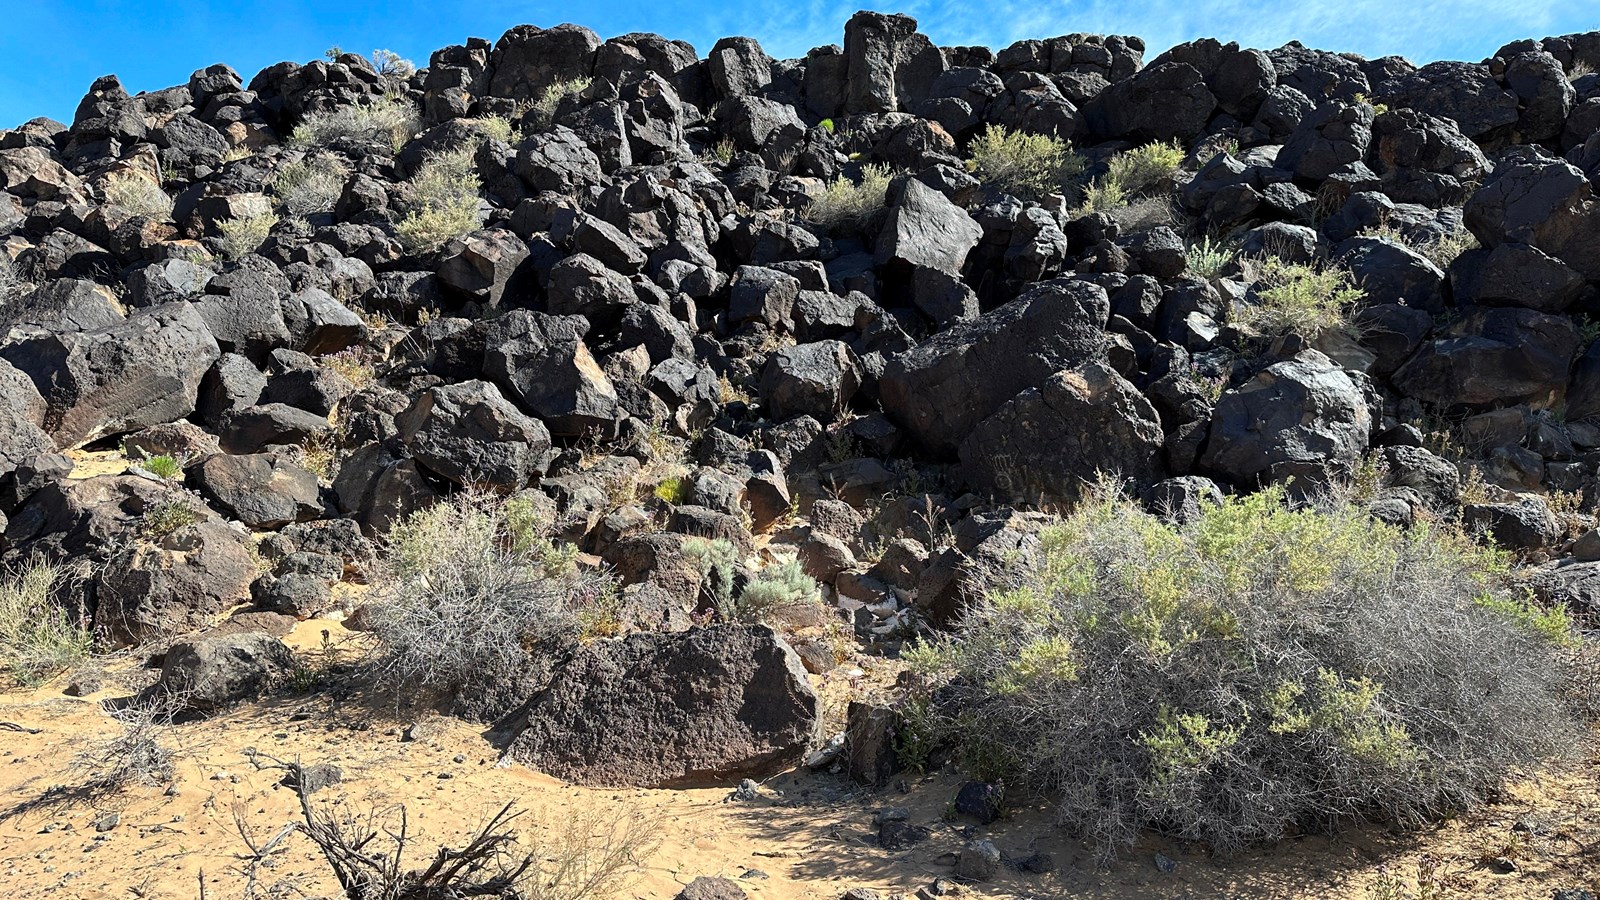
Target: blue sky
[(50, 50)]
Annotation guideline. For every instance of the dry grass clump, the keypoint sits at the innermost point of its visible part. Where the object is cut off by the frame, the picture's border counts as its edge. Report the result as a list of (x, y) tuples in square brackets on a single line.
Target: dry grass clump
[(12, 284), (136, 754), (474, 596), (309, 186), (138, 195), (390, 119), (444, 201), (1028, 166), (1259, 670), (38, 639), (1300, 298), (844, 205), (246, 234)]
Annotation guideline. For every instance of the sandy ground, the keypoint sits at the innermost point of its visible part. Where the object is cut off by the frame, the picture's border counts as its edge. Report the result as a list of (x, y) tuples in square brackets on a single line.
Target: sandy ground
[(808, 836)]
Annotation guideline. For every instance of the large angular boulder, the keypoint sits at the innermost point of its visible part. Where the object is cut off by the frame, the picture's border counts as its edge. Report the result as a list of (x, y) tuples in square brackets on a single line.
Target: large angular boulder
[(470, 434), (941, 389), (1493, 357), (889, 67), (1164, 102), (263, 490), (1053, 440), (150, 591), (1303, 418), (925, 229), (1334, 136), (528, 59), (542, 362), (1541, 202), (1466, 93), (120, 378), (815, 380), (673, 710)]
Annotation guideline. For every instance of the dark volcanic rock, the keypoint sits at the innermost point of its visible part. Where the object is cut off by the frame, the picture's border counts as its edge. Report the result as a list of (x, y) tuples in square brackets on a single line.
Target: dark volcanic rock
[(654, 710)]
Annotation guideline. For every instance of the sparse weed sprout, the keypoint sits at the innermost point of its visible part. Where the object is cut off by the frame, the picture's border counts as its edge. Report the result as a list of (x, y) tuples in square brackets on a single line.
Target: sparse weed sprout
[(845, 205), (543, 110), (1207, 260), (166, 517), (474, 600), (1300, 298), (444, 201), (138, 195), (245, 234), (1028, 166), (1260, 669), (390, 119), (310, 186), (38, 639)]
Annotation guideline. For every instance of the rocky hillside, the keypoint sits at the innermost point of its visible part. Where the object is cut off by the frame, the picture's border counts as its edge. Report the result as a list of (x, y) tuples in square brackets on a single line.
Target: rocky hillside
[(861, 316)]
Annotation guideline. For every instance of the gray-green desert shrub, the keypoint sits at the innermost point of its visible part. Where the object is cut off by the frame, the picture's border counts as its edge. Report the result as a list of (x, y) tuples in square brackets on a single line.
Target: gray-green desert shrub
[(38, 639), (1306, 299), (444, 201), (391, 119), (844, 205), (1259, 670), (245, 234), (138, 195), (473, 599), (309, 186), (772, 589), (1024, 165)]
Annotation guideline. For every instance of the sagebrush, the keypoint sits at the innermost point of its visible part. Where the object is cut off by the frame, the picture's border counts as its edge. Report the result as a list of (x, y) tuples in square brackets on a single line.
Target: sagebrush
[(309, 186), (1303, 298), (1259, 670), (1130, 174), (444, 201), (1028, 166), (245, 234), (138, 195), (473, 596)]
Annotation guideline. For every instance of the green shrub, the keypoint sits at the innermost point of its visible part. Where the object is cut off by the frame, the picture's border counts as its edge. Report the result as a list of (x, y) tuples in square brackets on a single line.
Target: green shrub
[(1259, 670), (844, 205), (1028, 166), (164, 466), (391, 119), (1300, 298), (38, 640), (471, 600), (543, 110), (138, 195), (1131, 173), (310, 186), (774, 588), (672, 490), (246, 234), (497, 128), (444, 201), (1207, 260)]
